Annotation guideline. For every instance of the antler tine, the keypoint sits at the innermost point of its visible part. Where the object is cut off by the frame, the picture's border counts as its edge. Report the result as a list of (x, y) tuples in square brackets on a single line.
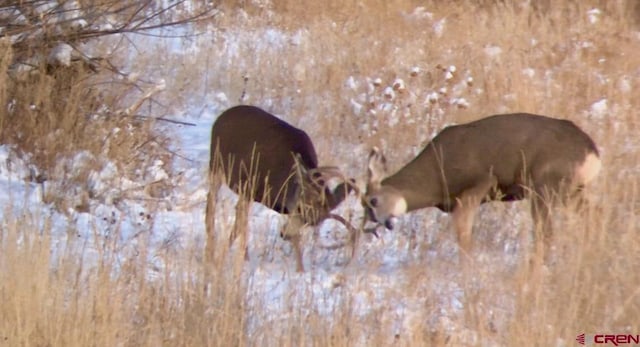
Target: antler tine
[(341, 219), (332, 171), (376, 167), (328, 168), (351, 228), (328, 172)]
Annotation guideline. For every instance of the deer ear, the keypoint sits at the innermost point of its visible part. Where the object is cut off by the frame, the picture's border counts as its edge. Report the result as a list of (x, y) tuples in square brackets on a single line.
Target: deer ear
[(377, 167)]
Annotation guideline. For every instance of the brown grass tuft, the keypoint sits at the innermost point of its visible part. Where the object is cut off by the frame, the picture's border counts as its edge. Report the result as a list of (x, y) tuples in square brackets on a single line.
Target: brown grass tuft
[(317, 65)]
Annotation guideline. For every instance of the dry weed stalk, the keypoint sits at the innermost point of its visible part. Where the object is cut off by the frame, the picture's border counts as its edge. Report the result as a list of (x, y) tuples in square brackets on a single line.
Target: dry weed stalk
[(551, 60)]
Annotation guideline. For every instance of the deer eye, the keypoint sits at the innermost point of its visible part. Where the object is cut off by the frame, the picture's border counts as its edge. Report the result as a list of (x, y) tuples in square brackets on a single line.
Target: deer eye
[(373, 202)]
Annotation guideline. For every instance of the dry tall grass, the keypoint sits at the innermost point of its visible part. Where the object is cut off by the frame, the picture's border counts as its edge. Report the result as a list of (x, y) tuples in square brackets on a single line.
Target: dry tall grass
[(557, 59), (52, 114)]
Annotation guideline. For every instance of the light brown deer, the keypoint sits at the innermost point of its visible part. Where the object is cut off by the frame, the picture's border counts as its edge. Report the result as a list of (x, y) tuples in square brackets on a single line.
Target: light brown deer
[(270, 161), (503, 157)]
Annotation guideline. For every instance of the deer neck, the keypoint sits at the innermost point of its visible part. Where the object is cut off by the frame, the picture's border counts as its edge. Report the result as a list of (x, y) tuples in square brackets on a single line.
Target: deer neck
[(418, 183)]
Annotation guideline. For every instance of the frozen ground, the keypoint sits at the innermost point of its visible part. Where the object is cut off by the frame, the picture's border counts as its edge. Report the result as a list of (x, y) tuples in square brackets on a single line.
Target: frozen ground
[(407, 279)]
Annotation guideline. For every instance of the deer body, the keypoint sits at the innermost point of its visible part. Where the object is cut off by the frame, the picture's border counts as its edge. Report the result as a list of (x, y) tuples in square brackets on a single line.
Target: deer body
[(502, 157), (251, 141), (273, 163)]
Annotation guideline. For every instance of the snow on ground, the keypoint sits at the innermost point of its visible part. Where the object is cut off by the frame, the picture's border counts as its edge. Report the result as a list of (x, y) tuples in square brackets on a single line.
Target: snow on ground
[(407, 277), (376, 281)]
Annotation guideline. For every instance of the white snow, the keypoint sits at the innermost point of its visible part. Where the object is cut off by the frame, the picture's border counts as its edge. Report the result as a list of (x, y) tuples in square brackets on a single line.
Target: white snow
[(369, 284), (389, 93), (399, 85), (352, 83), (421, 13), (529, 72), (375, 281), (593, 15), (438, 27), (493, 51), (599, 109), (432, 97)]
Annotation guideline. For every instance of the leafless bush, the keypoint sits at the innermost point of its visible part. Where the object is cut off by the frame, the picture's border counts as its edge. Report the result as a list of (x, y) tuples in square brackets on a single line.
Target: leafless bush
[(62, 93), (562, 59)]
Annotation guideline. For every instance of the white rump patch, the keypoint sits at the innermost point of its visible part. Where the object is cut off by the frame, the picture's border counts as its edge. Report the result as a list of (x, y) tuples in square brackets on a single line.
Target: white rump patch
[(589, 169)]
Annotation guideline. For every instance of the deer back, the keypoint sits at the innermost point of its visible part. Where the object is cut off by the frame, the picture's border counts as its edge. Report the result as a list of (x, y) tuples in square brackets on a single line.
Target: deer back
[(521, 152)]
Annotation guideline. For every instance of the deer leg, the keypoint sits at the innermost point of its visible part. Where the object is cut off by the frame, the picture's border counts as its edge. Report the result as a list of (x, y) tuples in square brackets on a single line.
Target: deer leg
[(240, 226), (542, 227), (355, 240), (541, 213), (463, 217), (549, 189), (210, 222), (293, 233), (297, 250), (466, 206)]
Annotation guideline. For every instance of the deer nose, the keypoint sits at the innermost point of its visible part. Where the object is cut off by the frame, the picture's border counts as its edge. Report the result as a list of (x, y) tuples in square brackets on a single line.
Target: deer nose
[(285, 236), (368, 214), (389, 224)]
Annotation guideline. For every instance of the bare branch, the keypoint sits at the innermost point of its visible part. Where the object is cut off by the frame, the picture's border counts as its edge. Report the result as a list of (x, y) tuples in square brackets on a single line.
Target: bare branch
[(78, 24)]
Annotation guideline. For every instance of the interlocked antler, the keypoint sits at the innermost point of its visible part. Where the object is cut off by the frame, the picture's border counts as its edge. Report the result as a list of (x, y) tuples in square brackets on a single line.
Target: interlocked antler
[(320, 176)]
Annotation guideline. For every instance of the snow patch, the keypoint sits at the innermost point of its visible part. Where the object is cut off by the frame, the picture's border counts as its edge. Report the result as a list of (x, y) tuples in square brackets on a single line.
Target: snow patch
[(438, 27), (599, 109), (593, 15), (492, 51)]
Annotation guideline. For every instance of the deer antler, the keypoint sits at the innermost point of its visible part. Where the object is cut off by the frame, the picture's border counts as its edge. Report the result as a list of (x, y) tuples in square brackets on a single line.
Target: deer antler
[(320, 175)]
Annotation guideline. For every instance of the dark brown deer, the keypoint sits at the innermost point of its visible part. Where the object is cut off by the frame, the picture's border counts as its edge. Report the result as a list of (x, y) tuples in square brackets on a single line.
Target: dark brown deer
[(503, 157), (270, 161)]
